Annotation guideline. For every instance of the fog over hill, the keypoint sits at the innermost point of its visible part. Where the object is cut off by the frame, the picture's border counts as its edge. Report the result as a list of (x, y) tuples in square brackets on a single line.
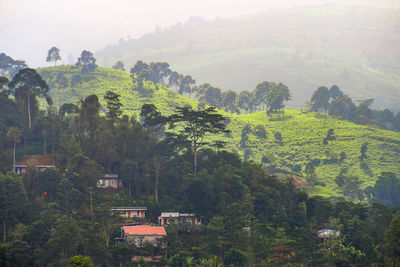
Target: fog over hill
[(304, 47)]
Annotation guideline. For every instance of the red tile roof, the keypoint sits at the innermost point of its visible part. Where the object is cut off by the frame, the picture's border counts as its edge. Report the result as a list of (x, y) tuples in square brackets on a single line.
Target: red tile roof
[(37, 160), (144, 230)]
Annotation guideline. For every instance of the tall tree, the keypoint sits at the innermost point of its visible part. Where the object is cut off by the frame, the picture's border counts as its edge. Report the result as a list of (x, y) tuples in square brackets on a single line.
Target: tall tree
[(26, 85), (343, 106), (386, 189), (320, 99), (173, 79), (185, 84), (65, 237), (229, 100), (259, 92), (87, 61), (275, 97), (335, 92), (213, 96), (195, 126), (113, 105), (245, 101), (160, 71), (392, 246), (139, 66), (89, 116), (119, 65), (53, 55)]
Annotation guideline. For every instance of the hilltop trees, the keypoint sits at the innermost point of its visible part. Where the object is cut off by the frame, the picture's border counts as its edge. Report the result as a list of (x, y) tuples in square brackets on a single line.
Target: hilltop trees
[(335, 103), (320, 99), (119, 65), (192, 126), (87, 61), (275, 97), (266, 95), (53, 55)]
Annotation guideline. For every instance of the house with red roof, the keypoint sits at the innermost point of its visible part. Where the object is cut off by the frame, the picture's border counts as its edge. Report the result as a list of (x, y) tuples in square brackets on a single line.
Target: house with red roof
[(41, 162), (141, 234)]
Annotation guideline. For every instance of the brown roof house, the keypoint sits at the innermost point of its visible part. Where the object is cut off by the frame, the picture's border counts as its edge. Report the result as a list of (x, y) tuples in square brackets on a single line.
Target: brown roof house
[(140, 234), (41, 162)]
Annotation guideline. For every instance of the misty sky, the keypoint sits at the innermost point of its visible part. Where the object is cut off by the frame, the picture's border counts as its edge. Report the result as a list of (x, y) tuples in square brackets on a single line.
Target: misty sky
[(29, 28)]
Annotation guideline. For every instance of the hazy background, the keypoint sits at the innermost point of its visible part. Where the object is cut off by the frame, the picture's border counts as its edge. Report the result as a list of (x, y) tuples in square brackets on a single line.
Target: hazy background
[(28, 29)]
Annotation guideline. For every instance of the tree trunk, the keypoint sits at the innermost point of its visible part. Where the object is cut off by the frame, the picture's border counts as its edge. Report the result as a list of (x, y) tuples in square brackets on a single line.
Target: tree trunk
[(15, 146), (195, 159), (29, 113), (157, 165), (5, 215), (44, 145)]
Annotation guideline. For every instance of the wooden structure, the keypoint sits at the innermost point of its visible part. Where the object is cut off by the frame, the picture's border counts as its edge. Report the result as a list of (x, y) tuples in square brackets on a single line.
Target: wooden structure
[(130, 212)]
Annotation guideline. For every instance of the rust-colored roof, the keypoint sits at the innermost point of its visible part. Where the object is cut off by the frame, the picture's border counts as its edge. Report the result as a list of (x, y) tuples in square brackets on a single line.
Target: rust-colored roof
[(144, 230), (297, 181), (129, 208), (37, 160)]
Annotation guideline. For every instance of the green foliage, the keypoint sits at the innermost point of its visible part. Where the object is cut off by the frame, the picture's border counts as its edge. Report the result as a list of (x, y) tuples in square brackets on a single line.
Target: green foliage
[(53, 55), (302, 131), (235, 257), (87, 61), (10, 66), (386, 189), (329, 137), (119, 65), (252, 47), (392, 238), (79, 261)]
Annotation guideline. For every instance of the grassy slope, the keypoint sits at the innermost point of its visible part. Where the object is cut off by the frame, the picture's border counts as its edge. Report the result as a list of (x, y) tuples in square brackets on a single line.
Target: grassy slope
[(302, 132), (353, 47)]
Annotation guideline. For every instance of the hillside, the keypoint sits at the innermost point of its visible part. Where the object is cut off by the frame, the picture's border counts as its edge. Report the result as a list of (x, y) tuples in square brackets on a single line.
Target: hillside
[(302, 132), (353, 47)]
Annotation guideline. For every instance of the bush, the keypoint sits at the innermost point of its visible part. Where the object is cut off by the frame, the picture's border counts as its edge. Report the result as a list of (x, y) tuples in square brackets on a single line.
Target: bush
[(278, 136), (316, 162), (75, 80), (265, 159), (260, 132)]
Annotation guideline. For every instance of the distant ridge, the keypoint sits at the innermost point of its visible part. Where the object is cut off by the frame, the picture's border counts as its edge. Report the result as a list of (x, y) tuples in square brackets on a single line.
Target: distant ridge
[(354, 47)]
